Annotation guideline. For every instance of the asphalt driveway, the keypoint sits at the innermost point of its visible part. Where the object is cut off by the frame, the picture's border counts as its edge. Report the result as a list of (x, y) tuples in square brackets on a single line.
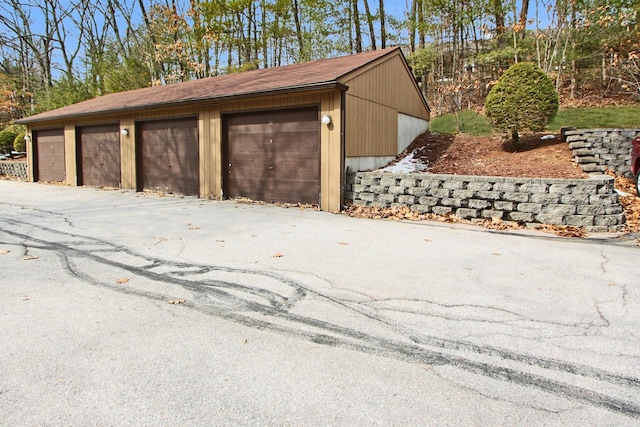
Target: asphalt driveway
[(123, 308)]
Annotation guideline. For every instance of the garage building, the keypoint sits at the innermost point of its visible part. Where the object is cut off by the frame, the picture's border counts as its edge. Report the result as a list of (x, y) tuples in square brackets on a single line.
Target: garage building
[(284, 134)]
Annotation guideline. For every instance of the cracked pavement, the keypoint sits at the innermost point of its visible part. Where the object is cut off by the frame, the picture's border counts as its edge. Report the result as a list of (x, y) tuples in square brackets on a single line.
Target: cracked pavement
[(132, 308)]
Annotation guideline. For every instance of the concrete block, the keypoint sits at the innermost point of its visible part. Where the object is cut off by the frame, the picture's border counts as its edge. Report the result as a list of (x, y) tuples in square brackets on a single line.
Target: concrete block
[(608, 220), (441, 210), (369, 197), (463, 194), (533, 188), (453, 184), (604, 199), (590, 210), (551, 219), (408, 182), (585, 189), (488, 195), (544, 199), (441, 193), (479, 186), (489, 213), (559, 188), (478, 204), (580, 220), (378, 189), (406, 200), (385, 198), (508, 187), (559, 209), (431, 183), (417, 191), (613, 209), (504, 206), (421, 208), (516, 197), (575, 199), (359, 202), (529, 207), (396, 190), (389, 181), (367, 180), (428, 201), (467, 213), (520, 216), (457, 203)]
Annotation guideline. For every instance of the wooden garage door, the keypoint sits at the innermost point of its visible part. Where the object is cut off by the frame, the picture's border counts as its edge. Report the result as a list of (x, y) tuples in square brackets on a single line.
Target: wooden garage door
[(168, 156), (273, 156), (49, 158), (99, 155)]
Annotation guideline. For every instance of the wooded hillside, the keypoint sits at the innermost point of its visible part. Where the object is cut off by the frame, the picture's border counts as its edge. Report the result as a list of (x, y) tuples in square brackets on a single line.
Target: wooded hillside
[(57, 52)]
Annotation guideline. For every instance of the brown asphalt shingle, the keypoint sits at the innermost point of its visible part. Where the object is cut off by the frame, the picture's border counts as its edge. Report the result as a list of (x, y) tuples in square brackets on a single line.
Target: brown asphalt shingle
[(268, 80)]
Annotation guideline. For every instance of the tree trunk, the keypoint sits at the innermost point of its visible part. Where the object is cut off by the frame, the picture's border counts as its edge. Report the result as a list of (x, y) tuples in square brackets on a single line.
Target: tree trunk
[(296, 20), (522, 22), (372, 34), (383, 26), (356, 23)]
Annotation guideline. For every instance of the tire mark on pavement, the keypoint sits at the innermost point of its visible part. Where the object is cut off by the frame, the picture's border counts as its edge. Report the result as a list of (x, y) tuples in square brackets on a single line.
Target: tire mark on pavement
[(237, 302)]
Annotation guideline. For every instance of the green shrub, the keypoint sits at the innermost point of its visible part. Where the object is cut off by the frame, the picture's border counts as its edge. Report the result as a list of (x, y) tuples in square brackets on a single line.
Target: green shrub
[(19, 143), (7, 136), (524, 98)]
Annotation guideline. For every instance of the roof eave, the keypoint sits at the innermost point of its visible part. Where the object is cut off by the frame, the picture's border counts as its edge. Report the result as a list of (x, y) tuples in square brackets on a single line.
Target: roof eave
[(218, 99)]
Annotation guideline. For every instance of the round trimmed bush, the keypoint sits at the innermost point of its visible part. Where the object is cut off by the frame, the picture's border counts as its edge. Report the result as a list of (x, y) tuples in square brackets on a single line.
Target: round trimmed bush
[(7, 136), (524, 98), (19, 143)]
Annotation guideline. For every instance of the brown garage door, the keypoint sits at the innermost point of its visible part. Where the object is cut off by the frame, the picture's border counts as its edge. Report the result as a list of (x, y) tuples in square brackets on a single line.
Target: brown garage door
[(168, 156), (273, 156), (99, 155), (49, 158)]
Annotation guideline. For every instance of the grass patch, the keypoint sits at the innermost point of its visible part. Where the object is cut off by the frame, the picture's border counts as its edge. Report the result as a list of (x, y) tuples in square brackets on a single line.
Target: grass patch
[(625, 116), (472, 123)]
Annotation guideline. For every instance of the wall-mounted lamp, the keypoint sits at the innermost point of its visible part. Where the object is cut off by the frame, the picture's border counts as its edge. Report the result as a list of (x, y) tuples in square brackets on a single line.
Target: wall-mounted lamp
[(27, 138), (124, 131), (326, 119)]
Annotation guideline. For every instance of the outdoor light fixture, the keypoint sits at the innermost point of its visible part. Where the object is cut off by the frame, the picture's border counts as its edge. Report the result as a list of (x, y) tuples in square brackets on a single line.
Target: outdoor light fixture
[(125, 131), (27, 138), (326, 119)]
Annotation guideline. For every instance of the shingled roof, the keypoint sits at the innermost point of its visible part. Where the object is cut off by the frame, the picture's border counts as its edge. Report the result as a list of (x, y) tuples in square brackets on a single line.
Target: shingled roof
[(320, 74)]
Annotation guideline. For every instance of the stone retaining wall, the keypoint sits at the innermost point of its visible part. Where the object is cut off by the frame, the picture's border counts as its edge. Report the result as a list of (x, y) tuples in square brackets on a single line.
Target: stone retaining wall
[(590, 203), (17, 169), (597, 150)]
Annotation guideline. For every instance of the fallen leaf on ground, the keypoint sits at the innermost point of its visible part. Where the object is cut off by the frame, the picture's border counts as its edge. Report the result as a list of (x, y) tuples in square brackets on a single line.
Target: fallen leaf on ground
[(4, 252), (343, 243), (277, 255), (121, 281), (177, 301), (29, 257)]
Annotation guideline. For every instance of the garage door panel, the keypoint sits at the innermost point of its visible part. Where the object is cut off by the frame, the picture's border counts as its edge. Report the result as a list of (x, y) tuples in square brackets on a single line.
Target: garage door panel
[(99, 148), (50, 157), (297, 169), (280, 116), (273, 190), (169, 155), (274, 156)]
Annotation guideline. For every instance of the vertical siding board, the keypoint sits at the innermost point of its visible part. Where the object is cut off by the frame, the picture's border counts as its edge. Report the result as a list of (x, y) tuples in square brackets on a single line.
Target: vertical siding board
[(70, 162), (203, 153)]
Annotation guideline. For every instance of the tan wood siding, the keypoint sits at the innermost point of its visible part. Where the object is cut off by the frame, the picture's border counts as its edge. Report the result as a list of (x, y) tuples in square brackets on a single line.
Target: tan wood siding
[(389, 83), (375, 96), (371, 128)]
